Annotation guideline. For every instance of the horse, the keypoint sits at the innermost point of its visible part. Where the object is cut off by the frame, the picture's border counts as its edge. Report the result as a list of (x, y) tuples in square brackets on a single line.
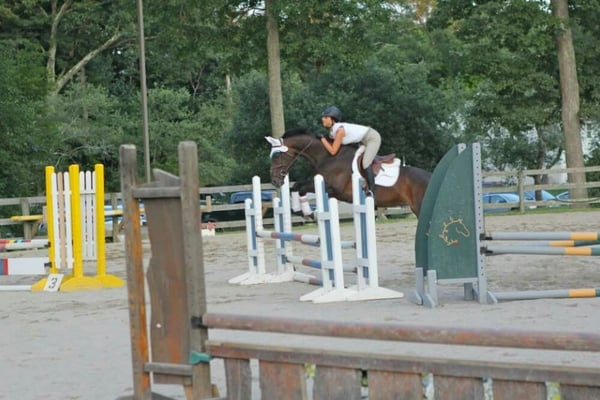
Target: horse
[(408, 190)]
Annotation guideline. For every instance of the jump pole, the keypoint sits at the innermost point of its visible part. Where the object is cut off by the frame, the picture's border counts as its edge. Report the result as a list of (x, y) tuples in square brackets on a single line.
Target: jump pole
[(546, 294), (540, 250), (584, 237), (566, 243), (22, 244), (21, 266)]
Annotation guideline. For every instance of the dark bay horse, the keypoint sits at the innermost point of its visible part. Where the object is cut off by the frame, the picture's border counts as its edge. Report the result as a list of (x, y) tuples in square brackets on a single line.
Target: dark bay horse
[(408, 190)]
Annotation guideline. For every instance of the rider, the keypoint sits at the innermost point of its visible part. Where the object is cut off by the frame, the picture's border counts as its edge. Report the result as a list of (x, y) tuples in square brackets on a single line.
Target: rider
[(346, 133)]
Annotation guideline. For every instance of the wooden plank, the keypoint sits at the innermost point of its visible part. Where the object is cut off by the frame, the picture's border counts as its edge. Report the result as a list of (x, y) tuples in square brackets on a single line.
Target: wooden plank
[(483, 337), (453, 388), (510, 390), (337, 383), (193, 261), (166, 283), (135, 275), (238, 378), (149, 191), (168, 369), (15, 201), (572, 392), (283, 381), (385, 385), (439, 366)]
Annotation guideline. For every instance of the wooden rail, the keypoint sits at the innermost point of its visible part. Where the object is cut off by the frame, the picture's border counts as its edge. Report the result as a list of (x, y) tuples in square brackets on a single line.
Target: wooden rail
[(343, 374)]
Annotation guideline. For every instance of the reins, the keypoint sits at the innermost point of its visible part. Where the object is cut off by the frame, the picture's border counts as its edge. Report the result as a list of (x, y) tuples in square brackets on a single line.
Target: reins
[(284, 171)]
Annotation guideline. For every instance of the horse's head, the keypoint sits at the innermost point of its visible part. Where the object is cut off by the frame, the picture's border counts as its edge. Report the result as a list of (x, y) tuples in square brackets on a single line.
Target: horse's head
[(285, 151)]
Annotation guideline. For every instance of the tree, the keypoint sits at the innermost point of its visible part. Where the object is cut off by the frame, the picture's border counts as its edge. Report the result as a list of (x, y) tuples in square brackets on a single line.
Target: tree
[(504, 55), (569, 89), (23, 118), (274, 71)]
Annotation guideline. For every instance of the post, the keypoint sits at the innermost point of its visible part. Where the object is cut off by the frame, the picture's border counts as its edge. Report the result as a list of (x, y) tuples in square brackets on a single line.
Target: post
[(194, 265), (135, 275), (27, 228)]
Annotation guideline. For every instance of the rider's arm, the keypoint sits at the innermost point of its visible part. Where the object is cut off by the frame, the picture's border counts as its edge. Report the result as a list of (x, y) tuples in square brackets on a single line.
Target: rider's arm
[(335, 146)]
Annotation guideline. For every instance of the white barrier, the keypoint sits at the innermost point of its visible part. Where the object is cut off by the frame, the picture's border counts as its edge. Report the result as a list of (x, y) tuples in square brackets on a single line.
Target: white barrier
[(328, 240)]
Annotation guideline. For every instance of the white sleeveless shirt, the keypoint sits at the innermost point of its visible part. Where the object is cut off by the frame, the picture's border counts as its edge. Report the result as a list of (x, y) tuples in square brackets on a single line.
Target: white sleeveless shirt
[(354, 133)]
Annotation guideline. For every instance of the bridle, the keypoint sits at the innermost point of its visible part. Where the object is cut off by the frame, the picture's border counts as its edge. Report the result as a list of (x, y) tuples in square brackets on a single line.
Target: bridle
[(283, 171)]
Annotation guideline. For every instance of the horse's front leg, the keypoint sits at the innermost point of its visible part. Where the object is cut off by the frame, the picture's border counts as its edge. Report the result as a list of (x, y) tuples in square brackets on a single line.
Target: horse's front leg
[(299, 196), (304, 186)]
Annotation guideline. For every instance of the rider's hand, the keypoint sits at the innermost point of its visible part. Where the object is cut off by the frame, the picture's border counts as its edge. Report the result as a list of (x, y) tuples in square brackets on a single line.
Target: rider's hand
[(319, 136)]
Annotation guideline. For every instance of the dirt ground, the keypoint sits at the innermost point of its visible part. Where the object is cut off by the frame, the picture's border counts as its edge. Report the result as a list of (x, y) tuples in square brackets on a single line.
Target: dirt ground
[(76, 345)]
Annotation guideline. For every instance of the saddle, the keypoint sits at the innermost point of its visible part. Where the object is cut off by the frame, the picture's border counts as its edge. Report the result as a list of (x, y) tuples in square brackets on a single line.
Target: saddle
[(377, 162)]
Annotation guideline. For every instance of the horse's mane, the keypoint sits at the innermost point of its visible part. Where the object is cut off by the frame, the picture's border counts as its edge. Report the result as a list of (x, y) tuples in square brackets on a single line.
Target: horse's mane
[(296, 132)]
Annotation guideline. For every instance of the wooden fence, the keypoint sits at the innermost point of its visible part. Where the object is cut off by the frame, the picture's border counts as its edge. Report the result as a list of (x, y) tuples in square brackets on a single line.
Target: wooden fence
[(518, 182)]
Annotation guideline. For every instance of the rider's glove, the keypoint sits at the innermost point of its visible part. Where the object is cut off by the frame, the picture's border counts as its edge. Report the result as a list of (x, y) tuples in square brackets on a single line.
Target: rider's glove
[(319, 136)]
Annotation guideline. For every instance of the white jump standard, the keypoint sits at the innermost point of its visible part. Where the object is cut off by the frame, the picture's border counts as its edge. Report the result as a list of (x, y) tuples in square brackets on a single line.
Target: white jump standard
[(328, 240)]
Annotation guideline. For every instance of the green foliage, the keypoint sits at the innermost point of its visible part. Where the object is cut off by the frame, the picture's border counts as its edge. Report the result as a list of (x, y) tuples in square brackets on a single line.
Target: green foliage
[(23, 120), (398, 102), (251, 122), (505, 56), (172, 120), (89, 125)]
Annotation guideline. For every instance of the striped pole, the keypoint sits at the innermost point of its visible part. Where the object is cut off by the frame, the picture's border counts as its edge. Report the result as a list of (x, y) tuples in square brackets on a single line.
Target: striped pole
[(587, 236), (315, 263), (566, 243), (304, 238), (546, 294), (23, 266), (308, 239), (541, 250), (22, 244)]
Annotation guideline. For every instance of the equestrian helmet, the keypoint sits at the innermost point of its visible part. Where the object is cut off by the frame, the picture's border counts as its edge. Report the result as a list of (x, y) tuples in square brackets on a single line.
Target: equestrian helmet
[(333, 112)]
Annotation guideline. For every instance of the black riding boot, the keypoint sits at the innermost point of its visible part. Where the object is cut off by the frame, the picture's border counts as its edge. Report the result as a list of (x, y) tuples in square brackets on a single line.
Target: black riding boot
[(370, 181)]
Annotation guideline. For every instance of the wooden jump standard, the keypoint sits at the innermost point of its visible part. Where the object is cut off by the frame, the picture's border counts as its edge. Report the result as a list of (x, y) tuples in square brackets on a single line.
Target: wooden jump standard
[(179, 325)]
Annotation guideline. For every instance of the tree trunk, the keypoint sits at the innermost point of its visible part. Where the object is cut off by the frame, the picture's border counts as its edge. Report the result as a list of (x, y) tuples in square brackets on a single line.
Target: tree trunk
[(569, 90), (274, 72), (56, 16)]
